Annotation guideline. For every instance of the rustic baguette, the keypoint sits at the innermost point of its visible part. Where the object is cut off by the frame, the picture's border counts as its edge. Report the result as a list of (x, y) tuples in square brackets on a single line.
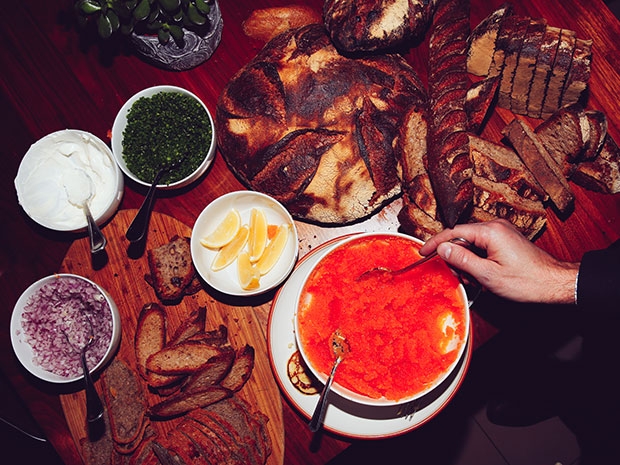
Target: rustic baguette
[(540, 163)]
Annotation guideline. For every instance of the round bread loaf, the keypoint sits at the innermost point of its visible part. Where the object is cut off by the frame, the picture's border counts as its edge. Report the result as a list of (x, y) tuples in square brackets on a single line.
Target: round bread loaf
[(314, 129), (370, 25)]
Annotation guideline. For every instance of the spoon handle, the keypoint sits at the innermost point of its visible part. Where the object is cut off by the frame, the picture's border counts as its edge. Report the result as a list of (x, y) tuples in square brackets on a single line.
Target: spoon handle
[(321, 407), (94, 407), (456, 240), (97, 239), (139, 225)]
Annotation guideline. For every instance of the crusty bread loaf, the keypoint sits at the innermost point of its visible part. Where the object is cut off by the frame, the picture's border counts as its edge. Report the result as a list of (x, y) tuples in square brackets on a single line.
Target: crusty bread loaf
[(512, 28), (315, 129), (481, 42), (448, 162), (542, 165), (375, 24), (505, 188), (266, 23)]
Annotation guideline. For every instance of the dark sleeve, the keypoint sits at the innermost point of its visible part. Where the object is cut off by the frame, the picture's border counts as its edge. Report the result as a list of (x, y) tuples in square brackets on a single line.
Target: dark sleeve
[(598, 285)]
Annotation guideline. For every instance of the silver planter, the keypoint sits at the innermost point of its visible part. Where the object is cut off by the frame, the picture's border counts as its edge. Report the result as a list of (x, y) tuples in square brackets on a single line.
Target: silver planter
[(196, 49)]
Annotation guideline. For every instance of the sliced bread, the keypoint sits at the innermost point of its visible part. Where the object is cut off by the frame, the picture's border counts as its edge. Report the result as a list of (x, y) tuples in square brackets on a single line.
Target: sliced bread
[(171, 269), (603, 173), (561, 67), (542, 71), (579, 73), (481, 42)]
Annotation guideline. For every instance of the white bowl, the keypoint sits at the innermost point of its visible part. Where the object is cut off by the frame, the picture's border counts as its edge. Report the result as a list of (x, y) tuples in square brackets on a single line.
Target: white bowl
[(40, 184), (226, 280), (120, 122), (24, 351), (355, 396)]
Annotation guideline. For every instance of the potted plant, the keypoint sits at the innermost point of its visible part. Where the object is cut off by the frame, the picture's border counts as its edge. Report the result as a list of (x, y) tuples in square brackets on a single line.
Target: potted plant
[(174, 34)]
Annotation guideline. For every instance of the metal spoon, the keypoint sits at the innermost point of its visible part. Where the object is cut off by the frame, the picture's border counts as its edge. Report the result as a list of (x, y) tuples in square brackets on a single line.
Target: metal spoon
[(380, 270), (94, 407), (79, 189), (340, 348), (140, 224)]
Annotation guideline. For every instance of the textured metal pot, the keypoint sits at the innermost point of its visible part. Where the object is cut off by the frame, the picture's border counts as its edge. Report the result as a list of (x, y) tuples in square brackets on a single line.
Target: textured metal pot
[(196, 49)]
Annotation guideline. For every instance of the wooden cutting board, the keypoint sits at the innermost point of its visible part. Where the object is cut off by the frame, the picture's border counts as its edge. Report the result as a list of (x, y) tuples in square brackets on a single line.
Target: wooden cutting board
[(123, 278)]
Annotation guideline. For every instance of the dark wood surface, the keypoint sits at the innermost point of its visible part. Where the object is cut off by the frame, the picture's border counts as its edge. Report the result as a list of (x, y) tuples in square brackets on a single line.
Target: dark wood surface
[(54, 77)]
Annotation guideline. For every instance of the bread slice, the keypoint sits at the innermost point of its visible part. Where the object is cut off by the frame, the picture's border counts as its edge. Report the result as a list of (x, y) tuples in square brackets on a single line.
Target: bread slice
[(524, 73), (184, 358), (505, 188), (210, 447), (171, 268), (124, 400), (190, 326), (481, 42), (150, 334), (598, 132), (513, 29), (544, 168), (542, 71), (512, 51), (212, 373), (579, 73), (603, 173), (565, 135), (241, 369), (182, 402), (221, 436), (561, 67), (478, 100)]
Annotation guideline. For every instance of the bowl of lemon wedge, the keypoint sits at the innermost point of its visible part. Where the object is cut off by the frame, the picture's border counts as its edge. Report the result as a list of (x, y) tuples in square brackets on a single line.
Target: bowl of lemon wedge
[(244, 243)]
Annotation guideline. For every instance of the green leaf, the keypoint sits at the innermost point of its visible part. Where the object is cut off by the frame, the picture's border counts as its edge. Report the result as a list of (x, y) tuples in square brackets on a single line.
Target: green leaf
[(153, 15), (113, 18), (202, 6), (155, 25), (130, 4), (163, 36), (89, 7), (195, 16), (126, 28), (178, 16), (104, 27), (169, 5), (142, 10), (177, 32)]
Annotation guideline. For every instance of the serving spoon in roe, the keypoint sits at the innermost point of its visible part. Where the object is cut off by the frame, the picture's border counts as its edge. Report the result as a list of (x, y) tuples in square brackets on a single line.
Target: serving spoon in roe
[(340, 348), (382, 271)]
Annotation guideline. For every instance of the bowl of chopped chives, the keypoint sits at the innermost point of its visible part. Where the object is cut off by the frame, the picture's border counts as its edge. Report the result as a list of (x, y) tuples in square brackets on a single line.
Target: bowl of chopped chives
[(156, 128)]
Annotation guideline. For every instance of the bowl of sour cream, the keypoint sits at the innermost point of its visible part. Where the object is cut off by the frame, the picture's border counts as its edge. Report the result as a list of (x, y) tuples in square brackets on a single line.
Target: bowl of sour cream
[(60, 165)]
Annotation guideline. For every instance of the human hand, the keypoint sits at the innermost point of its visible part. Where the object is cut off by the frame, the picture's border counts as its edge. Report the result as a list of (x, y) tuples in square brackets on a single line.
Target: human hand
[(514, 267)]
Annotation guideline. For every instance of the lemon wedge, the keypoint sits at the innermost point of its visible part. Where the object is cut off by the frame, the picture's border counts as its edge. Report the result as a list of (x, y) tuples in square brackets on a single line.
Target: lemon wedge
[(224, 232), (258, 234), (230, 251), (247, 273), (274, 250)]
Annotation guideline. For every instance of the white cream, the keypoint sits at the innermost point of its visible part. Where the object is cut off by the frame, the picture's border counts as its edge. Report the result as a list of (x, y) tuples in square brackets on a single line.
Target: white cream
[(66, 161)]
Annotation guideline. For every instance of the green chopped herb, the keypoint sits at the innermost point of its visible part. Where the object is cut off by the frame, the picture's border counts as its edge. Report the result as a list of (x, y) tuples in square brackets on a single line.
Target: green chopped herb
[(163, 129)]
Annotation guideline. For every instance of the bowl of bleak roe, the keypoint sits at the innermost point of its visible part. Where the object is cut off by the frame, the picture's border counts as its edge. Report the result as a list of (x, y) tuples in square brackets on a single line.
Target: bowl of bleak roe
[(406, 332)]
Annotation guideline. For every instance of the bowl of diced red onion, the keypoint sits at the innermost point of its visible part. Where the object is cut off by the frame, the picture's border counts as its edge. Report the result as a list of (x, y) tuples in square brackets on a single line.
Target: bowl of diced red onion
[(54, 318)]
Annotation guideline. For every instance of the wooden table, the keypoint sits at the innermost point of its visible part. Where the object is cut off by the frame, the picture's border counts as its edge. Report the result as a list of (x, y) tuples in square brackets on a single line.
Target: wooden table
[(54, 78)]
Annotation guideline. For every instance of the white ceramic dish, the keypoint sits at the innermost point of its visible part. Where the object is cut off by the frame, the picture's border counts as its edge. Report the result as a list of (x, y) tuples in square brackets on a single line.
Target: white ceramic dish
[(120, 122), (354, 396), (226, 280), (344, 417), (23, 350), (46, 194)]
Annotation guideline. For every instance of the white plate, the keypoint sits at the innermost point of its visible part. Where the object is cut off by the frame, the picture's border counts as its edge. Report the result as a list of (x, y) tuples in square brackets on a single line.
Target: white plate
[(226, 280), (343, 416)]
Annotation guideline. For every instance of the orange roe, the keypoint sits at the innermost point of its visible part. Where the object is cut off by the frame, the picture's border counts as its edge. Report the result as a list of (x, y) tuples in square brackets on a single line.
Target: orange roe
[(395, 326)]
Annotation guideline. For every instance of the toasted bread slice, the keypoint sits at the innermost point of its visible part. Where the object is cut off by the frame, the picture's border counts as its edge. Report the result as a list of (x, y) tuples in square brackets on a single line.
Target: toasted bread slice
[(193, 325), (125, 401), (212, 373), (150, 334), (184, 402), (241, 369), (183, 359)]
